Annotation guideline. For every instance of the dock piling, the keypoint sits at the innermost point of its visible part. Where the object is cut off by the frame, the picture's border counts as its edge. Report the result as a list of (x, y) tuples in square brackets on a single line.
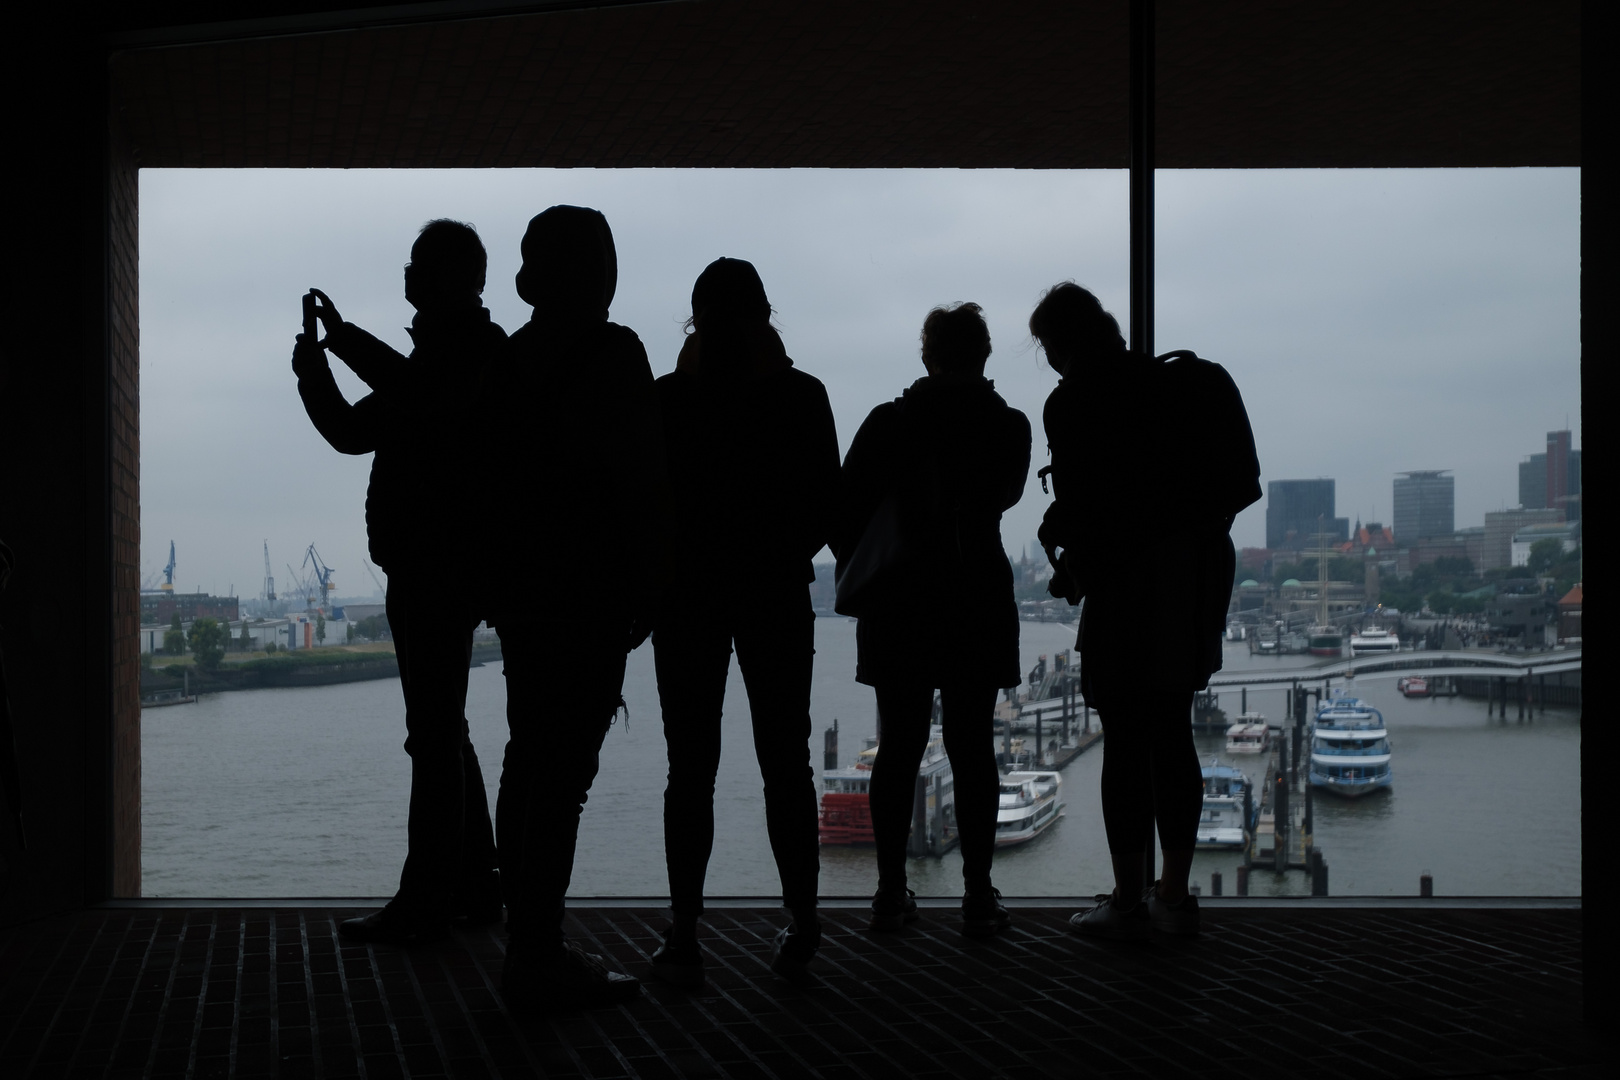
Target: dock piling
[(1215, 883), (1426, 886), (1318, 872), (1243, 881)]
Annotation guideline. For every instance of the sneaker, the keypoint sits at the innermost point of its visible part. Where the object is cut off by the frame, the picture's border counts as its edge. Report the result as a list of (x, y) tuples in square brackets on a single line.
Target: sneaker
[(1179, 919), (1108, 920), (395, 924), (678, 961), (893, 909), (794, 948), (570, 978), (983, 913)]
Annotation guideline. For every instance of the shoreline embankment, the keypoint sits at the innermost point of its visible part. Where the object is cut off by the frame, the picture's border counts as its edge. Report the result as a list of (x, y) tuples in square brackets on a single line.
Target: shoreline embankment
[(316, 667)]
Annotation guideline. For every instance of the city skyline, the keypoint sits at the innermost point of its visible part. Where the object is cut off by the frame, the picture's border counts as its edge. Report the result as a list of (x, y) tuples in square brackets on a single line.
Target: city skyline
[(1376, 321)]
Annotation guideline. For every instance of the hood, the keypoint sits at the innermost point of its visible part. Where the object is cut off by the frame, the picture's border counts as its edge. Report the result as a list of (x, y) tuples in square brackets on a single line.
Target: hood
[(570, 268)]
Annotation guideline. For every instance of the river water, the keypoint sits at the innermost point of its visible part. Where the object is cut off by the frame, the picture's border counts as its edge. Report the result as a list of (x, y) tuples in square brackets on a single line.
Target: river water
[(302, 792)]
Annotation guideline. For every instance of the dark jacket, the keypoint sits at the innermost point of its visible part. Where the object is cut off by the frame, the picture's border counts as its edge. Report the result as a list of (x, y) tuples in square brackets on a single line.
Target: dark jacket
[(753, 465), (577, 497), (418, 421), (956, 456), (1160, 452)]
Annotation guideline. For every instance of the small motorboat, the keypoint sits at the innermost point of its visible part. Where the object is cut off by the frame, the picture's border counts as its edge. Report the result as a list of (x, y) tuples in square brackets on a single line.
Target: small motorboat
[(1413, 686)]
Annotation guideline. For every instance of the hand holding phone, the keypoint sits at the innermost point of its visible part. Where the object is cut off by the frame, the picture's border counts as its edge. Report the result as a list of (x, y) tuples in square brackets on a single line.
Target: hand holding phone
[(309, 316)]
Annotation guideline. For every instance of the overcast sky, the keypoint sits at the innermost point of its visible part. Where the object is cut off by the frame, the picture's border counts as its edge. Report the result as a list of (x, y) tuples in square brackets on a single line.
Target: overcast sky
[(1376, 321)]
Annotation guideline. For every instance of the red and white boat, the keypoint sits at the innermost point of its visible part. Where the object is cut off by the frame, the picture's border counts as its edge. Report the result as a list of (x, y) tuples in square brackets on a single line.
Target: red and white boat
[(1413, 686)]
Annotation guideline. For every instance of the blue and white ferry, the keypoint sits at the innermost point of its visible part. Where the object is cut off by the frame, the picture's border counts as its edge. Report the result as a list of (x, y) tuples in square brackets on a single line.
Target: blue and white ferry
[(1228, 808), (1350, 750)]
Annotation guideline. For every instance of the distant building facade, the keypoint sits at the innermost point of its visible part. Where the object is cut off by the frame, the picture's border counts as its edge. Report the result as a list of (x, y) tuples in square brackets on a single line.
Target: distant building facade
[(1533, 482), (1567, 533), (1501, 525), (160, 607), (1425, 505), (1552, 480), (1297, 510)]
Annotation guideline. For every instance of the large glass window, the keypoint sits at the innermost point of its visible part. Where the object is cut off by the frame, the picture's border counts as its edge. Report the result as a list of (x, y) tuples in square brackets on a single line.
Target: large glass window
[(1377, 322)]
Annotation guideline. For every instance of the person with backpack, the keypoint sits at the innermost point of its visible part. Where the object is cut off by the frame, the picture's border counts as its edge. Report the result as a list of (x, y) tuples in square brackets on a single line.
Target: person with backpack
[(1166, 443), (576, 451), (921, 563), (753, 461), (416, 422)]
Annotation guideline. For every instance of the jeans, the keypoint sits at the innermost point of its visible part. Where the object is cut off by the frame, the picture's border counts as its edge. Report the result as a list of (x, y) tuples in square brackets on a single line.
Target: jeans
[(1151, 772), (967, 724), (775, 643), (451, 842), (564, 682)]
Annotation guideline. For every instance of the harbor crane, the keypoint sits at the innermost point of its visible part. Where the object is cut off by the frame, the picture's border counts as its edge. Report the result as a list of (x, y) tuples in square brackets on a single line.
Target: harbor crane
[(269, 581), (168, 571), (373, 573), (323, 574)]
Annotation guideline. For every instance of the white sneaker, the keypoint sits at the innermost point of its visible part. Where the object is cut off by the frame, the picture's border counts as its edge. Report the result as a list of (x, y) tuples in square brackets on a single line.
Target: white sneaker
[(1108, 920), (1179, 919)]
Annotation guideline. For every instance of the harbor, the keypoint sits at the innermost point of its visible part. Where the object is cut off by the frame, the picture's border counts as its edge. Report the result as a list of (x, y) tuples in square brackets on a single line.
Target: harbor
[(217, 819)]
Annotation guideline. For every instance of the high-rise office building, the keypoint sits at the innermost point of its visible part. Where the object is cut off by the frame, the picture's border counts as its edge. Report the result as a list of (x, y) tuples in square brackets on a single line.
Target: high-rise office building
[(1533, 482), (1557, 468), (1425, 505), (1296, 510), (1552, 480)]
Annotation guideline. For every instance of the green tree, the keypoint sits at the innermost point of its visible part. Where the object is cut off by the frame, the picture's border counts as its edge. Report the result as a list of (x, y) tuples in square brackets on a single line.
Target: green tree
[(208, 640), (348, 634), (1544, 553), (245, 640), (320, 628), (174, 639)]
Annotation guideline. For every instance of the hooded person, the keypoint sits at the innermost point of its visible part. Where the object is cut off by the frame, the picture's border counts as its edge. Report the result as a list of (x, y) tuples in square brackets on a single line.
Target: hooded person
[(416, 422), (573, 422), (753, 457), (949, 456)]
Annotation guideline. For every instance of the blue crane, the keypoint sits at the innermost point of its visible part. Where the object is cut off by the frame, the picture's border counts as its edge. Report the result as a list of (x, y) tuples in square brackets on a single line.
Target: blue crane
[(323, 574), (168, 571)]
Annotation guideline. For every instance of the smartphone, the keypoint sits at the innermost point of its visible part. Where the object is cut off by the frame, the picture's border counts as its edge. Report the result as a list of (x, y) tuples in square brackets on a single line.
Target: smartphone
[(309, 317)]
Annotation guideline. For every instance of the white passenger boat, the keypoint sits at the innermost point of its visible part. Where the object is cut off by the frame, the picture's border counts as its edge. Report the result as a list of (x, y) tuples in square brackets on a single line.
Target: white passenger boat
[(1250, 735), (1373, 641), (1030, 803), (1350, 748), (1228, 808)]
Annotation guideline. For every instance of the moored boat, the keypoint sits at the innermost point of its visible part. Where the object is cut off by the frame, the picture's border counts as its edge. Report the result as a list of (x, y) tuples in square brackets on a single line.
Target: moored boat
[(1228, 814), (1373, 641), (1250, 735), (1030, 803), (1326, 641), (846, 801), (1413, 686), (1350, 748)]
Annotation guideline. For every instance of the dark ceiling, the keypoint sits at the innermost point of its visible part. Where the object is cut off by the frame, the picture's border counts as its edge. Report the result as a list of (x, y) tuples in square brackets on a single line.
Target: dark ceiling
[(950, 83)]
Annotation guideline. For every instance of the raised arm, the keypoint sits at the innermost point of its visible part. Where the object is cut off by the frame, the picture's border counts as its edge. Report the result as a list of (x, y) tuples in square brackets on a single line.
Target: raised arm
[(350, 429), (379, 366)]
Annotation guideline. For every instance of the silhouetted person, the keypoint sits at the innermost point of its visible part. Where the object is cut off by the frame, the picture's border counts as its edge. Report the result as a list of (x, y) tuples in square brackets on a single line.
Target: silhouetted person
[(417, 422), (574, 420), (953, 456), (1167, 443), (753, 460)]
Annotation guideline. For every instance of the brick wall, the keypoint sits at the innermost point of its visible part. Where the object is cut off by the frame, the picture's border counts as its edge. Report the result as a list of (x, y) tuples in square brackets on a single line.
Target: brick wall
[(124, 505)]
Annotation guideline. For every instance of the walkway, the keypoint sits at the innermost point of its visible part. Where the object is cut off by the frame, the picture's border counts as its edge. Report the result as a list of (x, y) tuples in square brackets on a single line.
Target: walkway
[(1319, 989)]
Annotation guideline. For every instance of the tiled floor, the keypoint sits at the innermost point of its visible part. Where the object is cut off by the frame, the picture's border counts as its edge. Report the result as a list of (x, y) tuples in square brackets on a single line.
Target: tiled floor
[(1326, 991)]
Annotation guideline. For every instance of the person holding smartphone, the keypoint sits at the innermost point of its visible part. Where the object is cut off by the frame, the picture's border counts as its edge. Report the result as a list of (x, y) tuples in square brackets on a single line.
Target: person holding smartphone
[(417, 424)]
